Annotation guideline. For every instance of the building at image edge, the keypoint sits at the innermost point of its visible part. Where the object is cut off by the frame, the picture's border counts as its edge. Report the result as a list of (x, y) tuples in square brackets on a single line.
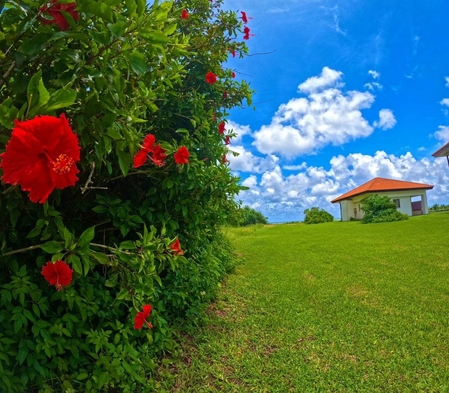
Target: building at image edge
[(409, 197)]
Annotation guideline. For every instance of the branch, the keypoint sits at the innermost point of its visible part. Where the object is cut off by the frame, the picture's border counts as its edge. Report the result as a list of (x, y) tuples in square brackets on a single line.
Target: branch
[(262, 53), (22, 250), (6, 74), (89, 181), (111, 248)]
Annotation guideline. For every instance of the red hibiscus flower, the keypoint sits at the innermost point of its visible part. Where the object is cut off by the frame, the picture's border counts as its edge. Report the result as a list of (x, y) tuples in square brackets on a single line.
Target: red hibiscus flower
[(184, 14), (158, 156), (58, 274), (233, 53), (142, 155), (182, 155), (246, 31), (41, 156), (227, 140), (141, 317), (233, 74), (211, 78), (53, 10), (244, 17), (176, 247), (221, 127)]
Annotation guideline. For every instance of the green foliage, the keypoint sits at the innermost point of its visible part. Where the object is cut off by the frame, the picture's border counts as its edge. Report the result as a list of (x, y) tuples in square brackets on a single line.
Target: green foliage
[(244, 216), (380, 209), (315, 215), (122, 71)]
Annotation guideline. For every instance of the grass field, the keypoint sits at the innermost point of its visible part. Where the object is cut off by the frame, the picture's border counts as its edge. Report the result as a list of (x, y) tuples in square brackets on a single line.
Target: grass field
[(337, 307)]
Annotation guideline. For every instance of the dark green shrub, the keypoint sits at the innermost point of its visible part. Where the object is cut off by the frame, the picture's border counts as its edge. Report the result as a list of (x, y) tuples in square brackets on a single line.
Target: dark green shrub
[(380, 209), (118, 71), (244, 216), (315, 215)]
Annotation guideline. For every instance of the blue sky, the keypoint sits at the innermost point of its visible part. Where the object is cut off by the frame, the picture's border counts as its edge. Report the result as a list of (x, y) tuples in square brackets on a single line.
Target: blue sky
[(346, 90)]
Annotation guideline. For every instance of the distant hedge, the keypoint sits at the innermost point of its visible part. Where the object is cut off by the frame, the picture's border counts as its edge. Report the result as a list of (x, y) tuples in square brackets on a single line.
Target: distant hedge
[(244, 216)]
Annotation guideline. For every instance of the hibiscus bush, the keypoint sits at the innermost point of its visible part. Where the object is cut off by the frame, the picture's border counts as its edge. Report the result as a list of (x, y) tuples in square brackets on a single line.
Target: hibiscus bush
[(115, 184)]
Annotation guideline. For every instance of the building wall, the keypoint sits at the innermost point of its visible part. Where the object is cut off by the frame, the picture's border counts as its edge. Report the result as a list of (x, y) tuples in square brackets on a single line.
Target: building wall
[(351, 208)]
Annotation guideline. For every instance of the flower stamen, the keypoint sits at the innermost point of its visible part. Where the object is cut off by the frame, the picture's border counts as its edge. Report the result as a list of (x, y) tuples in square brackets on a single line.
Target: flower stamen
[(63, 164)]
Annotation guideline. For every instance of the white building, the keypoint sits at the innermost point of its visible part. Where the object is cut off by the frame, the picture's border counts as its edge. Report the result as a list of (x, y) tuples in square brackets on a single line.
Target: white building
[(409, 197)]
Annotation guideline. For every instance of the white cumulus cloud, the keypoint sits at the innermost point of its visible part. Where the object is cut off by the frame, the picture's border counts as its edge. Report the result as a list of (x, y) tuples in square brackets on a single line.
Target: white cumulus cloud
[(327, 78), (386, 119), (328, 115), (445, 102), (246, 161), (442, 134), (374, 74)]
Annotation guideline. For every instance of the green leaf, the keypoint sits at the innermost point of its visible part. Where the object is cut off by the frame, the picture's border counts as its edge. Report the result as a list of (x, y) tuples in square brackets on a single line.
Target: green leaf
[(99, 9), (8, 112), (68, 238), (100, 257), (131, 6), (75, 261), (124, 161), (81, 376), (23, 353), (102, 379), (141, 6), (52, 247), (43, 93), (61, 98), (37, 229), (123, 294), (127, 245), (33, 89), (138, 62), (86, 237), (118, 29), (35, 44)]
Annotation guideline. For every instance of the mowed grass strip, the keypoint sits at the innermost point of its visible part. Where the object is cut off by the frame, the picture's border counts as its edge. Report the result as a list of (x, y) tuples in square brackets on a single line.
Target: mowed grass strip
[(337, 307)]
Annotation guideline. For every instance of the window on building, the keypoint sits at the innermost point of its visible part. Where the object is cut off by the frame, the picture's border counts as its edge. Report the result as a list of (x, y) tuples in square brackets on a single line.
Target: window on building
[(397, 202)]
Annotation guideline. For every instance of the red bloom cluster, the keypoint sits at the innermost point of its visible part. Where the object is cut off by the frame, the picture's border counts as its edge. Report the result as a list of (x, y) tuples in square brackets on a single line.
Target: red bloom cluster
[(224, 160), (176, 247), (182, 155), (158, 155), (233, 53), (53, 9), (227, 140), (41, 156), (246, 31), (211, 78), (233, 74), (58, 274), (221, 127), (184, 14), (141, 317), (245, 17), (225, 94)]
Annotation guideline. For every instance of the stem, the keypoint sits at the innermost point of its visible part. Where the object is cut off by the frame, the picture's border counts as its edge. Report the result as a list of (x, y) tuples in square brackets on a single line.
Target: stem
[(22, 250), (6, 74), (111, 248)]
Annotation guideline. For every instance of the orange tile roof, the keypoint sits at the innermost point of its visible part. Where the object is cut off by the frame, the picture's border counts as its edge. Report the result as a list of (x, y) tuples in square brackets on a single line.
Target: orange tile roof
[(381, 184)]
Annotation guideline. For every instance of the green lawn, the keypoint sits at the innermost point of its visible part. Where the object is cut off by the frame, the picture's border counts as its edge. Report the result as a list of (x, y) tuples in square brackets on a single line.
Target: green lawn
[(337, 307)]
